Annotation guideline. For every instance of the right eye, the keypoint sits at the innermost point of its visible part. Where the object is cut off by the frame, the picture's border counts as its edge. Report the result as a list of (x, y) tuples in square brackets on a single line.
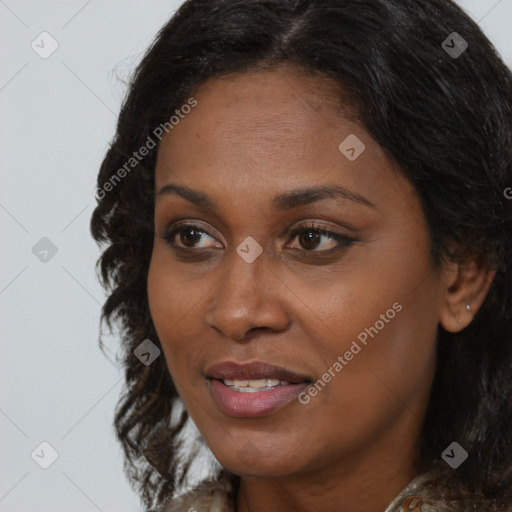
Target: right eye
[(188, 236)]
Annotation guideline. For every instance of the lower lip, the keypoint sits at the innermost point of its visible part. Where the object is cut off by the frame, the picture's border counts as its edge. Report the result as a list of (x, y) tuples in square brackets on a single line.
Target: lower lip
[(253, 405)]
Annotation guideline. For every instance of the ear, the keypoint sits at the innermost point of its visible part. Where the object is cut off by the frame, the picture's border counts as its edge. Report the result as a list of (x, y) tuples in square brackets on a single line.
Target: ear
[(467, 287)]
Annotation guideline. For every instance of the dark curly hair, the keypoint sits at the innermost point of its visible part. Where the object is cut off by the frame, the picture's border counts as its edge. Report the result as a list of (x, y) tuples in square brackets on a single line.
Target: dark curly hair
[(446, 122)]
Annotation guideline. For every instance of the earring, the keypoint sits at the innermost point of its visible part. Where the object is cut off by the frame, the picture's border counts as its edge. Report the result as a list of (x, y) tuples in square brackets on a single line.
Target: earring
[(468, 307)]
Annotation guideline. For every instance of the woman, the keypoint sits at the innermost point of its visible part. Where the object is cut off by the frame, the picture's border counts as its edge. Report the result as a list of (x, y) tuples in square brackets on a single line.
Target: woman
[(305, 210)]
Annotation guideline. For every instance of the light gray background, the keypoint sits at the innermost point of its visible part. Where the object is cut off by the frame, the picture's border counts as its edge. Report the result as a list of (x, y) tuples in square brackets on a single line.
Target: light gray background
[(57, 117)]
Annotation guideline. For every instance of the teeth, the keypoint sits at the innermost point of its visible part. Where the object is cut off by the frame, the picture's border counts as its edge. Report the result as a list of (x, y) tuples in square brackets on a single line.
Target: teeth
[(256, 384)]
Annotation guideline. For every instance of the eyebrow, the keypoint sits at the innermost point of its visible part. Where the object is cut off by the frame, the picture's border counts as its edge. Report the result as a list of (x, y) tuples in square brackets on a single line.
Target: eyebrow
[(284, 201)]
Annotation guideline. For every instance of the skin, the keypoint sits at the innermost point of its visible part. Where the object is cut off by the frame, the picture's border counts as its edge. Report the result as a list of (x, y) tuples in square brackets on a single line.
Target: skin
[(354, 446)]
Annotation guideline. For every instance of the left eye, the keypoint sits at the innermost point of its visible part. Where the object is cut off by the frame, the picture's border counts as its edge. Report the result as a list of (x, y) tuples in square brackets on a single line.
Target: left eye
[(315, 239)]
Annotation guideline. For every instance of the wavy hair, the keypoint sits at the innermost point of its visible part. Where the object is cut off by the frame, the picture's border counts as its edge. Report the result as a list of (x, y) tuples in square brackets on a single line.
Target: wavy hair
[(446, 122)]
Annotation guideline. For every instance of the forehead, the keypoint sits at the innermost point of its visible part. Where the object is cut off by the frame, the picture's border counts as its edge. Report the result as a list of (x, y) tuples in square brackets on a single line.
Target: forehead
[(256, 112), (261, 132), (284, 85)]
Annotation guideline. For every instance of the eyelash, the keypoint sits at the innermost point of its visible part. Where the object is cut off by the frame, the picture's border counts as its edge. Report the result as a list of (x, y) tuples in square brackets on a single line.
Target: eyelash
[(343, 240)]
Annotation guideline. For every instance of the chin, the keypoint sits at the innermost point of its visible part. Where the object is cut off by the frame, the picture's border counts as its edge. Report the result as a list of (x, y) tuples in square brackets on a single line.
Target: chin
[(248, 460)]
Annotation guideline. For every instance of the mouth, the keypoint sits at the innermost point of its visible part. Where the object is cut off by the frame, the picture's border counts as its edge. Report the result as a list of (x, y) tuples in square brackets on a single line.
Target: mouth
[(254, 389), (254, 375), (254, 385)]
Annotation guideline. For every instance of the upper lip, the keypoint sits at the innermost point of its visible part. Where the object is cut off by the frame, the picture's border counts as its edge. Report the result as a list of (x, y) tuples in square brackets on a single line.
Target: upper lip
[(251, 371)]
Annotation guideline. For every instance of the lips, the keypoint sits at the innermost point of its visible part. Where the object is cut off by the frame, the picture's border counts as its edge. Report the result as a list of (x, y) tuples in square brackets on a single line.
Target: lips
[(253, 390), (253, 371)]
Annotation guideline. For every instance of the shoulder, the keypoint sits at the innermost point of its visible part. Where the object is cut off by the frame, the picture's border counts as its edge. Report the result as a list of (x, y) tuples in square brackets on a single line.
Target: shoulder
[(208, 497), (412, 497), (422, 495)]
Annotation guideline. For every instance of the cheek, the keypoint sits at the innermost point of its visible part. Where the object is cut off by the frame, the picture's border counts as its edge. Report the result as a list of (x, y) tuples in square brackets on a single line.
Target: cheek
[(175, 293), (387, 362), (173, 306), (382, 320), (374, 294)]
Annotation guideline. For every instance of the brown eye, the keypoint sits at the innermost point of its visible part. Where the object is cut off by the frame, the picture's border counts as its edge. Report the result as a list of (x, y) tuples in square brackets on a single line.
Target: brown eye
[(310, 239), (186, 236), (189, 236), (316, 239)]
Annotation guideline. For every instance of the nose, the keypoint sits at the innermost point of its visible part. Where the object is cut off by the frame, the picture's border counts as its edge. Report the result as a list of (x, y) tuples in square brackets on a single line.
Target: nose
[(249, 299)]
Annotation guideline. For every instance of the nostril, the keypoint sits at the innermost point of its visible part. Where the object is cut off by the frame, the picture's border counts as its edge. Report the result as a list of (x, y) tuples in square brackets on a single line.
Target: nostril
[(251, 333)]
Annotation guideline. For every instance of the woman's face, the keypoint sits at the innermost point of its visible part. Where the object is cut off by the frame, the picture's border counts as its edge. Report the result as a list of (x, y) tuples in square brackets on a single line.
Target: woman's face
[(251, 175)]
